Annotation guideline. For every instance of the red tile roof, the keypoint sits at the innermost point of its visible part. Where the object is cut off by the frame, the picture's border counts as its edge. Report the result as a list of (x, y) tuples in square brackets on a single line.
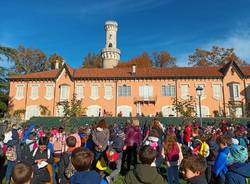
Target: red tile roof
[(37, 75), (97, 73)]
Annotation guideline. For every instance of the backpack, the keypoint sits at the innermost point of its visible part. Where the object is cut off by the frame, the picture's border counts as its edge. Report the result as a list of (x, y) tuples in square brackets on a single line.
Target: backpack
[(118, 143), (11, 154), (201, 149), (173, 155), (70, 170), (237, 154), (25, 151), (204, 150)]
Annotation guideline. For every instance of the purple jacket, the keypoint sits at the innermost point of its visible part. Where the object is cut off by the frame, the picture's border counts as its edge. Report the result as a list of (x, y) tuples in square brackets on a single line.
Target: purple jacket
[(133, 136)]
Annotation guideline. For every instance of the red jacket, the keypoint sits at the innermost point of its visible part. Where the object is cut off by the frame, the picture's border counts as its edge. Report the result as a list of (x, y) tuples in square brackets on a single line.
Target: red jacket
[(187, 134)]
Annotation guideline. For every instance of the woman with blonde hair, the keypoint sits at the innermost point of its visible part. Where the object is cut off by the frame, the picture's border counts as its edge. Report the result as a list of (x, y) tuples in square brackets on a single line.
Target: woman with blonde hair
[(173, 156), (132, 142)]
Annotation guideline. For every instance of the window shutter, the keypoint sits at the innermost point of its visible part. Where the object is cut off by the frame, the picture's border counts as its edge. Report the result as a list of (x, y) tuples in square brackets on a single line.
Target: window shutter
[(141, 91), (184, 91), (150, 91)]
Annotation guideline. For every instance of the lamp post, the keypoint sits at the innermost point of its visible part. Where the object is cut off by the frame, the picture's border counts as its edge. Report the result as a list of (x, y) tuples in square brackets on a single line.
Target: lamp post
[(199, 90)]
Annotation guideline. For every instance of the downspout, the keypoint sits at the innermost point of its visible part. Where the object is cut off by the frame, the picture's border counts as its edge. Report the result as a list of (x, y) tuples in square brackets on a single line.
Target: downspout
[(116, 97), (224, 101), (246, 100), (26, 98), (176, 96), (54, 99)]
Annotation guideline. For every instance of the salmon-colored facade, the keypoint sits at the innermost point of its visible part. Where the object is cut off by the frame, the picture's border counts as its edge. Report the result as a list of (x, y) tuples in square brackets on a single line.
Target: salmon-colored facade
[(142, 91)]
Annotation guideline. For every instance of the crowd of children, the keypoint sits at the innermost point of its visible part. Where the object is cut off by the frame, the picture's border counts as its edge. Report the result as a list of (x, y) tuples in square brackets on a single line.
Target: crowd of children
[(131, 153)]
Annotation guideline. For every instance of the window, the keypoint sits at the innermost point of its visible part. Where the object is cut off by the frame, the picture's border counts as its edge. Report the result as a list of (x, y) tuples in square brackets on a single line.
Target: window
[(79, 92), (94, 92), (19, 91), (125, 110), (49, 92), (168, 90), (124, 90), (64, 95), (34, 91), (94, 111), (216, 91), (204, 111), (184, 91), (234, 91), (108, 92), (32, 111), (168, 111), (145, 91)]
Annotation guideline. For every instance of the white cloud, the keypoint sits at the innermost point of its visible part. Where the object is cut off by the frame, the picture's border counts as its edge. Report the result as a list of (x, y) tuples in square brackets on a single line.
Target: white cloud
[(239, 39)]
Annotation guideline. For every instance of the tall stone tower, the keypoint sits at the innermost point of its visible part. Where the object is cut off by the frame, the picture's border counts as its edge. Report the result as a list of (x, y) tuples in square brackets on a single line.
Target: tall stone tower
[(110, 54)]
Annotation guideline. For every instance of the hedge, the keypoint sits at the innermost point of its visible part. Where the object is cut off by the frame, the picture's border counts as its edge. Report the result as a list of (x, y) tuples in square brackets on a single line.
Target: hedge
[(78, 121)]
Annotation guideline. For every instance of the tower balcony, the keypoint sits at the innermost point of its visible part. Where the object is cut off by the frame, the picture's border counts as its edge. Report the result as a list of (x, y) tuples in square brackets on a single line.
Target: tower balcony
[(144, 99)]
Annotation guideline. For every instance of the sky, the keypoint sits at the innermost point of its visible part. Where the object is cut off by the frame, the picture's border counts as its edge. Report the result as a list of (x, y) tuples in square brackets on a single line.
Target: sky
[(74, 28)]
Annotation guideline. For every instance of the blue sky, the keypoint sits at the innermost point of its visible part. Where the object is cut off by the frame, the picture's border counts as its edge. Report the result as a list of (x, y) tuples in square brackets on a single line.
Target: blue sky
[(73, 28)]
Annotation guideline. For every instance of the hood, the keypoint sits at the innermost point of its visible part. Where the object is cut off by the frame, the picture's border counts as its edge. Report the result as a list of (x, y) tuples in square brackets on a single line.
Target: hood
[(198, 180), (242, 169), (86, 177), (27, 132), (146, 173)]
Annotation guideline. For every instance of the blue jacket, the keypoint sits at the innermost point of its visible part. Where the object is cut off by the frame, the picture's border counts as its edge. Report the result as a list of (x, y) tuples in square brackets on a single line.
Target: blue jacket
[(86, 177), (238, 173), (220, 165)]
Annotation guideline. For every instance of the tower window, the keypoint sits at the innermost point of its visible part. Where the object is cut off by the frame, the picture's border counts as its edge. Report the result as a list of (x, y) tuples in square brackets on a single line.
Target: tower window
[(110, 44)]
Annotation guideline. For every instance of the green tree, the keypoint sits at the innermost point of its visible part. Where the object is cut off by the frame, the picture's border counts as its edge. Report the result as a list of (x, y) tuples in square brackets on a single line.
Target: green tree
[(92, 60), (4, 91), (9, 53), (218, 56), (56, 58), (72, 108), (185, 108), (163, 59), (30, 60)]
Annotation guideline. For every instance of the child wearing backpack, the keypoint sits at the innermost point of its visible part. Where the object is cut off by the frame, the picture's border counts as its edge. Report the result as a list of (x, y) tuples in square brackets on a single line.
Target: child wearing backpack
[(11, 156), (82, 159), (63, 165), (22, 173), (173, 155), (220, 166)]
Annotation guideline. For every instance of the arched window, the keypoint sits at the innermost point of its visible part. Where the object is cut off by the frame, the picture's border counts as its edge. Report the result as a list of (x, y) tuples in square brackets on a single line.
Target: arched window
[(110, 44), (32, 111), (168, 111), (125, 109), (94, 110)]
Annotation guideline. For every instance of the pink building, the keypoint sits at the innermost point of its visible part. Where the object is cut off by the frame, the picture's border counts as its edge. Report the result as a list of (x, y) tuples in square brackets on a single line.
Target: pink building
[(132, 91)]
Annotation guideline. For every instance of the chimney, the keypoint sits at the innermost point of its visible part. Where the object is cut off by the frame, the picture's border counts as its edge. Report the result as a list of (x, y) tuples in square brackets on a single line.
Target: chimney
[(133, 69), (57, 64)]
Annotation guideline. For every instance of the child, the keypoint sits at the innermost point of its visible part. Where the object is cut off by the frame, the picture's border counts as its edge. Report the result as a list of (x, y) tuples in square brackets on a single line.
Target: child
[(144, 172), (82, 159), (22, 173), (41, 158), (220, 165), (193, 168), (65, 159), (173, 155)]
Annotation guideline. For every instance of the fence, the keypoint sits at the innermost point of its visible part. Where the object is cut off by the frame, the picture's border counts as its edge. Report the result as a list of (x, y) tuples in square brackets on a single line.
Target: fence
[(78, 121)]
